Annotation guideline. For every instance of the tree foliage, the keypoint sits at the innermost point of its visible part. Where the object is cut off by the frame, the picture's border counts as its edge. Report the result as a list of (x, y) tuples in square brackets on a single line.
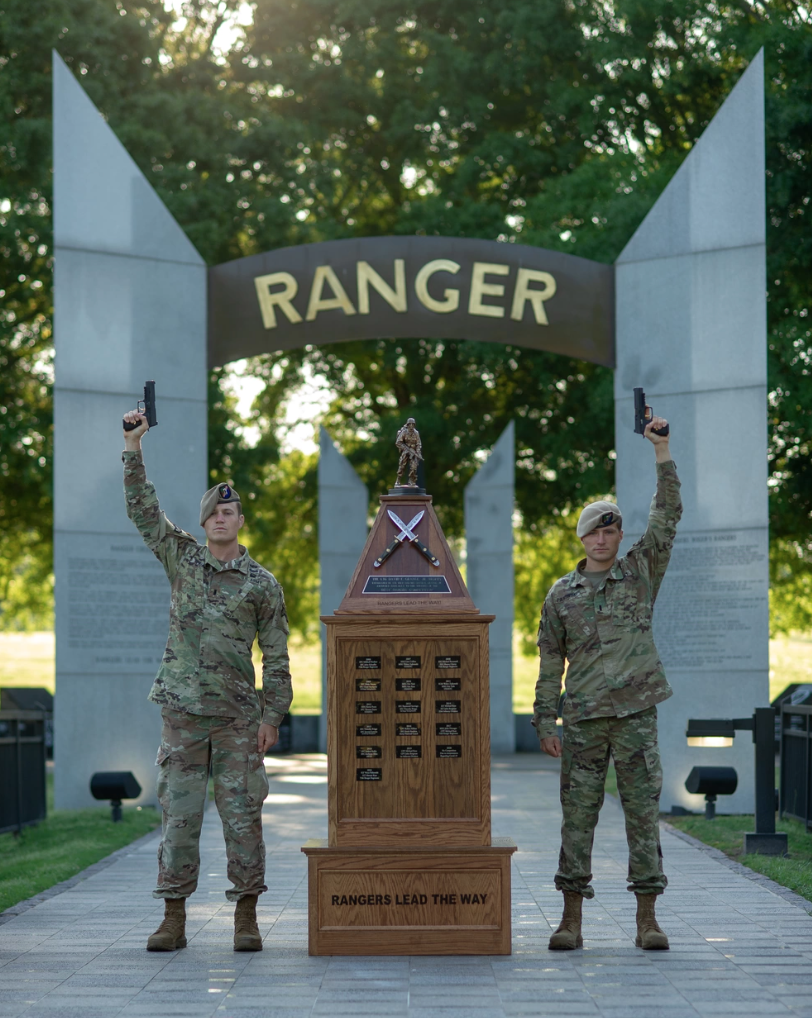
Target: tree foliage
[(533, 121)]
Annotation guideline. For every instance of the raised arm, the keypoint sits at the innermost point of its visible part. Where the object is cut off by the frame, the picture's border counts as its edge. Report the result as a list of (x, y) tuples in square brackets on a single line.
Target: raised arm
[(166, 541), (651, 554)]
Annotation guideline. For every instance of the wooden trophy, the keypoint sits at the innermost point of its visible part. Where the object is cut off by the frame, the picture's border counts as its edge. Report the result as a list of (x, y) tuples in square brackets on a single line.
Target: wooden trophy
[(409, 866)]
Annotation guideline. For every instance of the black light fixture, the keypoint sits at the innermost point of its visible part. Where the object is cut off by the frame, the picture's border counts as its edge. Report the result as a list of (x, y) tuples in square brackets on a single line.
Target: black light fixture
[(710, 782), (721, 732), (715, 733), (115, 786)]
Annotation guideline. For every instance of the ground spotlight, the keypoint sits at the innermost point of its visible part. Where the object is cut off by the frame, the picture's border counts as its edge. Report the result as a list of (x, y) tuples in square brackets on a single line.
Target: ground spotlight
[(710, 782), (115, 786)]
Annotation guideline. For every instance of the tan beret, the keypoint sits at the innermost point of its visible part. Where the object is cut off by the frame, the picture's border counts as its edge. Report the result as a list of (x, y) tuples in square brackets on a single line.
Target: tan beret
[(220, 494), (598, 514)]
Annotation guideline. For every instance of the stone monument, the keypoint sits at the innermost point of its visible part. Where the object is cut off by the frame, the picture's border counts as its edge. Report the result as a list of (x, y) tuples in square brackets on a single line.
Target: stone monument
[(691, 329), (130, 305)]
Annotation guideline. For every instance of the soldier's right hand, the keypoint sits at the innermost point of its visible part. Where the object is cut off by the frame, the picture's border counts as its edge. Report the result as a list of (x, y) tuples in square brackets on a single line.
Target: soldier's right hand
[(551, 746), (133, 438)]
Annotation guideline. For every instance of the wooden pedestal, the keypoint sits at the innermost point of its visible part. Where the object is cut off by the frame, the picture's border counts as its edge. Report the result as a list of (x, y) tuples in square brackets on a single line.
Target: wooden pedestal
[(408, 740), (408, 867), (409, 901)]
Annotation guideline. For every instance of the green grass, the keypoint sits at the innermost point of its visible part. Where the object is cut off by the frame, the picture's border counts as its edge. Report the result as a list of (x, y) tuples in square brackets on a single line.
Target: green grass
[(63, 845), (27, 659), (790, 661), (727, 833)]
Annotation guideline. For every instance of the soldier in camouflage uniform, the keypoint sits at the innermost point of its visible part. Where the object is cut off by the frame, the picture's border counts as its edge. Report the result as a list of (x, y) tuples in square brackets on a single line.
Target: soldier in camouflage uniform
[(598, 619), (212, 715)]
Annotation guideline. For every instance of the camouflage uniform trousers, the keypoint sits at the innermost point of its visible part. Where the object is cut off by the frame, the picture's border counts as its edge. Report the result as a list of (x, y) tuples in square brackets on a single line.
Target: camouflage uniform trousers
[(587, 745), (189, 744)]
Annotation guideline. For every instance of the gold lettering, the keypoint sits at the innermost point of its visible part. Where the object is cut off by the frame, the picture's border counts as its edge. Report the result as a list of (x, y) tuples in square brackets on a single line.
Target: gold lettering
[(281, 298), (480, 289), (523, 293), (368, 276), (325, 274), (451, 297)]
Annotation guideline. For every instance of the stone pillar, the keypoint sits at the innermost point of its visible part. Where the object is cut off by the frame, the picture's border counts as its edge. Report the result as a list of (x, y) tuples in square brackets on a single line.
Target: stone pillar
[(691, 329), (130, 305), (489, 575), (343, 508)]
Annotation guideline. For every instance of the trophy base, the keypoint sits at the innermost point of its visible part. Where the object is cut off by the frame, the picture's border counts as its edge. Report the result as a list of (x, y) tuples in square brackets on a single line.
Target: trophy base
[(457, 900), (407, 489)]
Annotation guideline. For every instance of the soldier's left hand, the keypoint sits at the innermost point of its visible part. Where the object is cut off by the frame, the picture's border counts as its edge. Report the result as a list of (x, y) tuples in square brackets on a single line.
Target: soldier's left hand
[(266, 738), (656, 422)]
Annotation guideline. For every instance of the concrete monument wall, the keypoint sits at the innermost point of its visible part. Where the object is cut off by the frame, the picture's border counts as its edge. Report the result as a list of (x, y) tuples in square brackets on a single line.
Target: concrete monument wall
[(343, 509), (691, 329), (130, 304), (489, 575)]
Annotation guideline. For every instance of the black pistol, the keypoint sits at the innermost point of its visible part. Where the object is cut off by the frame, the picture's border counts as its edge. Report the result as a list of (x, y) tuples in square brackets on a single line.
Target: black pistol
[(148, 409), (643, 414)]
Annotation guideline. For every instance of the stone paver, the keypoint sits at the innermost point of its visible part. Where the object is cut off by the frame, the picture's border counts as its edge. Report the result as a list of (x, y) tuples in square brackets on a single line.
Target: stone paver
[(737, 948)]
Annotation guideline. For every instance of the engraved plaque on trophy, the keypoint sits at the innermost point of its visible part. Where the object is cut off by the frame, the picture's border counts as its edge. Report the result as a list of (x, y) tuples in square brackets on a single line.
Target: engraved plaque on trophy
[(409, 730), (408, 752), (406, 661), (446, 685), (407, 706), (407, 685), (368, 707), (447, 706), (367, 731), (367, 685)]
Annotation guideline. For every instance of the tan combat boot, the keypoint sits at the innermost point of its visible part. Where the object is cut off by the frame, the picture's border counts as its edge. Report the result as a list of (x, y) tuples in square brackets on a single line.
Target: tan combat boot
[(568, 935), (246, 931), (649, 935), (171, 934)]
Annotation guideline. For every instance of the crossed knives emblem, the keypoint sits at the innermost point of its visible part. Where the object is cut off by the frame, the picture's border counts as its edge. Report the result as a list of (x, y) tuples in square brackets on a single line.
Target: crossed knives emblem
[(406, 533)]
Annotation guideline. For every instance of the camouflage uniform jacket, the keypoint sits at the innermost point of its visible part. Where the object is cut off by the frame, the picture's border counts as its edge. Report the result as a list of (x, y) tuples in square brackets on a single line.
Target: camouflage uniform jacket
[(605, 634), (216, 611)]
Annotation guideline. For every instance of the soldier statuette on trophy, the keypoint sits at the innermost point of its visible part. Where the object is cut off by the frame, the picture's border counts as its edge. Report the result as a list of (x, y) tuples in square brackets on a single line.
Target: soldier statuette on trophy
[(411, 453)]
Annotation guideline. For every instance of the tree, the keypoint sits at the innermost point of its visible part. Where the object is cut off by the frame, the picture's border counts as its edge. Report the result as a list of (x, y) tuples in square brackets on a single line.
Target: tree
[(538, 122)]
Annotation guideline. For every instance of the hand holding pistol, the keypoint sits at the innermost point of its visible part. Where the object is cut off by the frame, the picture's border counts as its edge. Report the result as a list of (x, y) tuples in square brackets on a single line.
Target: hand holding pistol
[(643, 415), (145, 406)]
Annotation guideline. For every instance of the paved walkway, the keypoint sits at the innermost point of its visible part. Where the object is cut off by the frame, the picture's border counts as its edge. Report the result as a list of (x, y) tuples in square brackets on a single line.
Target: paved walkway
[(737, 948)]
